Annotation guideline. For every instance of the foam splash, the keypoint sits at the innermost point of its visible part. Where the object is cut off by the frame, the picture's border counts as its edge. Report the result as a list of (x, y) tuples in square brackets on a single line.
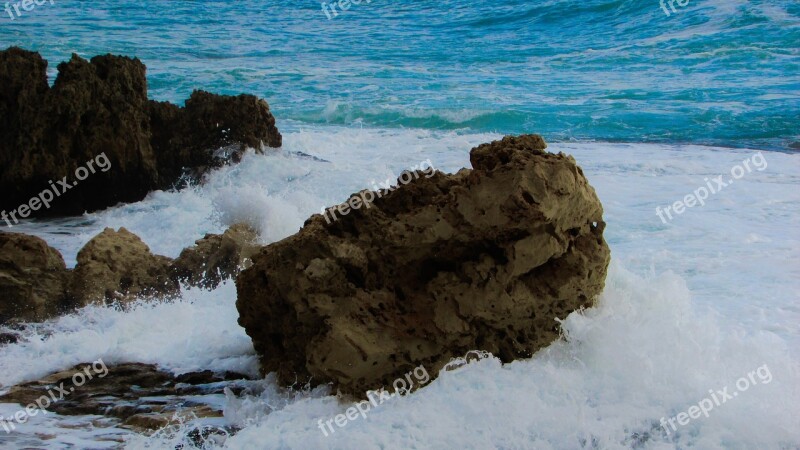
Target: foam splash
[(685, 309), (643, 353), (194, 333)]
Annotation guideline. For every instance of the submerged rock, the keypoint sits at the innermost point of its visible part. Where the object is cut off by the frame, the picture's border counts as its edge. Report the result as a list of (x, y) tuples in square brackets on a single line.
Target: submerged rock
[(33, 279), (100, 107), (487, 259), (132, 395)]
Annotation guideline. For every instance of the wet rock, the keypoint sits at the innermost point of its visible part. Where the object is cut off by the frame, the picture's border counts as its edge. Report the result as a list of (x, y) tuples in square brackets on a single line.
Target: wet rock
[(207, 436), (483, 259), (33, 279), (216, 257), (153, 421), (100, 107), (8, 338), (114, 266), (118, 266), (149, 422), (226, 125), (132, 395), (88, 399)]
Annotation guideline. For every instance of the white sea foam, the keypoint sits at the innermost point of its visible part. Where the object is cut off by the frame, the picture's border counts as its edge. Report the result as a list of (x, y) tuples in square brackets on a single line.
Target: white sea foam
[(691, 305), (644, 353), (198, 332)]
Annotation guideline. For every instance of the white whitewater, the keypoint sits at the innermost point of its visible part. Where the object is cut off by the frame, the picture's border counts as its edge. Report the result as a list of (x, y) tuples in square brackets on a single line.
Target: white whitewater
[(690, 306)]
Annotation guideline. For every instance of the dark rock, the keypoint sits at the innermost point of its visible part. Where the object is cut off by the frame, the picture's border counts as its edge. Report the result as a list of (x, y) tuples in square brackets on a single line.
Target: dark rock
[(100, 107), (8, 338), (137, 396), (182, 137), (207, 436), (33, 279), (484, 259)]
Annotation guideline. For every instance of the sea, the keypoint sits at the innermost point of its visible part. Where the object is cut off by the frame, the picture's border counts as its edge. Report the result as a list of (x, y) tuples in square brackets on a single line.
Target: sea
[(656, 100)]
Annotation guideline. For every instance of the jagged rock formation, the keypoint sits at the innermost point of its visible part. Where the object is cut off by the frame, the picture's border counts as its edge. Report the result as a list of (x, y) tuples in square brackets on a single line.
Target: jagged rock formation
[(114, 266), (33, 278), (101, 107), (484, 259)]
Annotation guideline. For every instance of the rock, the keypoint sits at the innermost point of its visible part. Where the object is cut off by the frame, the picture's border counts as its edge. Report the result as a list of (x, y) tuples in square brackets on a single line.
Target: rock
[(147, 421), (118, 266), (132, 395), (225, 124), (216, 257), (33, 279), (100, 107), (8, 338), (485, 259), (153, 421), (206, 436), (113, 266)]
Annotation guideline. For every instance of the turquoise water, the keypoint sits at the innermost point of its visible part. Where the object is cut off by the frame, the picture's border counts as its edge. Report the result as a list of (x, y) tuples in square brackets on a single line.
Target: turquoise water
[(713, 72), (689, 306)]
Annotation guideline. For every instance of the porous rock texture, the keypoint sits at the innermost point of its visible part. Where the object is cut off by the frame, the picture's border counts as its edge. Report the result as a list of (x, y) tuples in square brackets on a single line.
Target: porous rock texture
[(483, 259), (118, 266), (114, 266), (216, 257), (33, 278), (101, 106)]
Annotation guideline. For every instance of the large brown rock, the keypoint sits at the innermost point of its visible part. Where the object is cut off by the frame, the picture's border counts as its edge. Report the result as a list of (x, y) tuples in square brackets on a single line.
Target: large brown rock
[(484, 259), (101, 107), (33, 278), (118, 266)]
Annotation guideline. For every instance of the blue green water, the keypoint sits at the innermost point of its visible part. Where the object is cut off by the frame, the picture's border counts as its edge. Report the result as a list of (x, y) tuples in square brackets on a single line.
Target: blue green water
[(689, 305), (719, 72)]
